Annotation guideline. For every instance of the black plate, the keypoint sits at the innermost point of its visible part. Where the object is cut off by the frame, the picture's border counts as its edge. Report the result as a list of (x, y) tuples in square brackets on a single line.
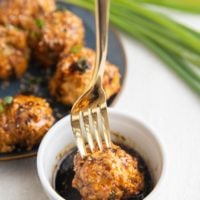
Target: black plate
[(116, 55)]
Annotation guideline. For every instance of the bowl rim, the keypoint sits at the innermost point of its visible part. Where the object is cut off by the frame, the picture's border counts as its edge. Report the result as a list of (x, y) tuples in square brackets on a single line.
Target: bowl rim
[(42, 149)]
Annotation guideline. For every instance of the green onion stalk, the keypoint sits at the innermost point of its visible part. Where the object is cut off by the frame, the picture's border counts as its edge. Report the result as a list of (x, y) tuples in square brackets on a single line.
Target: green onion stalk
[(192, 6), (175, 44)]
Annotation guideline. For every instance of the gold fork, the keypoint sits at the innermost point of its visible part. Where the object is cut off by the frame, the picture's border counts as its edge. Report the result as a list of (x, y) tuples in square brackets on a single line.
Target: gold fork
[(89, 117)]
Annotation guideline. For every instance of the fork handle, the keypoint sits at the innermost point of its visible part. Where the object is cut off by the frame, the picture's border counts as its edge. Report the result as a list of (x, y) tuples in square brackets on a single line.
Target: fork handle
[(102, 22)]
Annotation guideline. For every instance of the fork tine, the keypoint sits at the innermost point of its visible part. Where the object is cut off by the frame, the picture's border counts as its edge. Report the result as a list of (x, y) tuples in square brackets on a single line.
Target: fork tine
[(105, 125), (76, 127), (86, 122), (96, 128)]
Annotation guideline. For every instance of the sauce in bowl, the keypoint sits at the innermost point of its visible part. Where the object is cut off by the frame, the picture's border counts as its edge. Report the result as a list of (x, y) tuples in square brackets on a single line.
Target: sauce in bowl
[(65, 175)]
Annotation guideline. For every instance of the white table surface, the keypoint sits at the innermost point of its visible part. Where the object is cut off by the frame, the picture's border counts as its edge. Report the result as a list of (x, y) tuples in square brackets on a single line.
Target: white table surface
[(154, 94)]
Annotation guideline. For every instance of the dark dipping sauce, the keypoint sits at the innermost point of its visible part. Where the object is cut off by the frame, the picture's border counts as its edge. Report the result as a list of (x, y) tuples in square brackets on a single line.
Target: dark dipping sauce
[(65, 175)]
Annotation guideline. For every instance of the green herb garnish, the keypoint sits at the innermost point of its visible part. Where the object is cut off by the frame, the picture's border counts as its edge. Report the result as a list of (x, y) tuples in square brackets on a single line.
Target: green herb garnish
[(7, 100), (76, 49), (1, 108), (40, 23)]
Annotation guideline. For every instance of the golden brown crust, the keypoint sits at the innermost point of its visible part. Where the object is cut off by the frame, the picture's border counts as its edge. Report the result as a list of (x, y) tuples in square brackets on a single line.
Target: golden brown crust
[(14, 52), (61, 30), (21, 12), (111, 174), (25, 14), (24, 122), (68, 84)]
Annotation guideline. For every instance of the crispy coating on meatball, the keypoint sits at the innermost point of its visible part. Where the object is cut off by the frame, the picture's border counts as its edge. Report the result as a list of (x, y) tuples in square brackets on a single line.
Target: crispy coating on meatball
[(22, 12), (73, 75), (59, 30), (14, 52), (27, 15), (110, 174), (24, 122)]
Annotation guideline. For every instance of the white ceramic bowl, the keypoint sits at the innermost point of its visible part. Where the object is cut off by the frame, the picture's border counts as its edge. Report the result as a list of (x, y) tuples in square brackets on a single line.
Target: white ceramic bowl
[(60, 138)]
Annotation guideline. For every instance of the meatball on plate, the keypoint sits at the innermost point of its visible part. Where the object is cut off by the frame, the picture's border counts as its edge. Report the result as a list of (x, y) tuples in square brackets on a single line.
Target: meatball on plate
[(23, 122), (59, 30), (21, 13), (14, 52), (74, 72), (26, 15)]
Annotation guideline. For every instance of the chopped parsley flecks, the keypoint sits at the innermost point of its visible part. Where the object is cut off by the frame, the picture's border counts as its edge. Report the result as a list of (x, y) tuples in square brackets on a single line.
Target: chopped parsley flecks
[(40, 23), (1, 108), (76, 49), (5, 101)]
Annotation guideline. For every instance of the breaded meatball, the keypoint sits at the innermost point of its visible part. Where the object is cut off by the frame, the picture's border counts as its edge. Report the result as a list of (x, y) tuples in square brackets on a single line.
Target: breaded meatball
[(14, 52), (59, 30), (73, 75), (26, 14), (110, 174), (24, 122), (22, 12)]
